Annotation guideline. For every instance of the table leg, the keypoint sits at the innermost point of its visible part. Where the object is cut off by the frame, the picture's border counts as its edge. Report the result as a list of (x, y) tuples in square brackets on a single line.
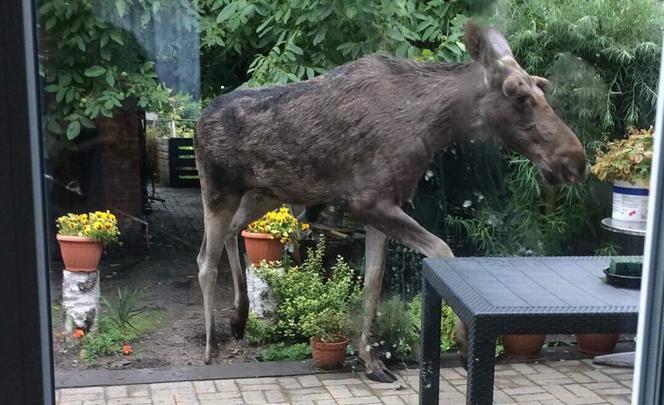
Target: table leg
[(430, 362), (481, 366)]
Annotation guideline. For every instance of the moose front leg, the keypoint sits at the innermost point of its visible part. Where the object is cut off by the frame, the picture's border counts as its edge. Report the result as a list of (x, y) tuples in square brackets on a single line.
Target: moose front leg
[(375, 249), (390, 219)]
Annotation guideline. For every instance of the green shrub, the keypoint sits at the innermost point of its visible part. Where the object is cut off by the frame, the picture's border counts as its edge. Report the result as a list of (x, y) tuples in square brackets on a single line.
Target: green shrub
[(446, 322), (394, 330), (282, 351), (259, 331), (308, 295)]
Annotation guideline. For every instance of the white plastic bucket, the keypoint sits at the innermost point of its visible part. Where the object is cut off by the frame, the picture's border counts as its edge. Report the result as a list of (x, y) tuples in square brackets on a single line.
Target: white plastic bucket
[(630, 201)]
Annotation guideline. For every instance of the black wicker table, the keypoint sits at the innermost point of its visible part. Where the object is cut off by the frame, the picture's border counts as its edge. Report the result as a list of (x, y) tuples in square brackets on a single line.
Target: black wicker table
[(517, 295)]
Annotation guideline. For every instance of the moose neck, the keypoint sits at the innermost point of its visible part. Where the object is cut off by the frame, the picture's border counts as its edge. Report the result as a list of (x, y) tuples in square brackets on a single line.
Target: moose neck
[(451, 112)]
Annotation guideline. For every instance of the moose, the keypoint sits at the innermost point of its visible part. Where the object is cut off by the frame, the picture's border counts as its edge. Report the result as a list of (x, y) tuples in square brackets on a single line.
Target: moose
[(360, 137)]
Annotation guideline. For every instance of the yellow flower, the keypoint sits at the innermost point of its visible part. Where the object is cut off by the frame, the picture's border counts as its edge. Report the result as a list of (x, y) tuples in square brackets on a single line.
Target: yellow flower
[(98, 226)]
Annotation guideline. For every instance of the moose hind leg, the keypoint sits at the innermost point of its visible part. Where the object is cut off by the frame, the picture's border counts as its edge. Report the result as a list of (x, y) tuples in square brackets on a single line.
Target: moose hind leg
[(375, 249), (216, 233), (252, 207)]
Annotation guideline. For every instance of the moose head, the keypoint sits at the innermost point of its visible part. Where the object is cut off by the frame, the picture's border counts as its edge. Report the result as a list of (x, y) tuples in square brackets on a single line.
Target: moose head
[(514, 106)]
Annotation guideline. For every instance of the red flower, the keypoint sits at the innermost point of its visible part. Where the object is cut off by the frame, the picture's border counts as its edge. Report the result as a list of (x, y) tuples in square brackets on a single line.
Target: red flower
[(78, 333), (127, 349)]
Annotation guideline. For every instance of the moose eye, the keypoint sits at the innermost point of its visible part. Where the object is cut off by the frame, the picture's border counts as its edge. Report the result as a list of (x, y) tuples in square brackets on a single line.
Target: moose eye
[(522, 98)]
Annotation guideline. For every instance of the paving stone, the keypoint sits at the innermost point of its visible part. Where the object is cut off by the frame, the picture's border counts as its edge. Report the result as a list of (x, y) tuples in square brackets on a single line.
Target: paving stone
[(308, 394), (579, 390), (226, 385), (256, 381), (288, 382), (138, 390), (274, 396), (585, 401), (72, 397), (219, 395), (254, 397), (339, 391), (343, 381), (309, 381), (532, 397), (129, 401), (204, 386), (525, 391), (359, 400), (559, 391)]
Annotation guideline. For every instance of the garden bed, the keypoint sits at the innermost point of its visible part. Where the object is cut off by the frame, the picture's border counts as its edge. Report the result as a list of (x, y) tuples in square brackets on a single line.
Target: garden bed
[(172, 300)]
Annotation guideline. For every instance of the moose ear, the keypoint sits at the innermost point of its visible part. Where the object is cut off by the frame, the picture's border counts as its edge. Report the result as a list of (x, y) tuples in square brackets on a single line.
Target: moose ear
[(485, 45), (542, 83)]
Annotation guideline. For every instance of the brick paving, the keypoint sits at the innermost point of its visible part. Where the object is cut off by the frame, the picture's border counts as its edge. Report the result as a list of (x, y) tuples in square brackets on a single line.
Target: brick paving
[(547, 383)]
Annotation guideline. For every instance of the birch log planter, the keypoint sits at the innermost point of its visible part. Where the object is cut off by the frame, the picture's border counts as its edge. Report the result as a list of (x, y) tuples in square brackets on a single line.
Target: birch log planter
[(630, 201)]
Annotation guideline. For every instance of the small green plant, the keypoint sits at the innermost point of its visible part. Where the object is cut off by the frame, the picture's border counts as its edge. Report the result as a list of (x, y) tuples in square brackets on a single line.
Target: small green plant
[(123, 309), (310, 302), (109, 339), (259, 331), (394, 329), (282, 351), (608, 249), (447, 341)]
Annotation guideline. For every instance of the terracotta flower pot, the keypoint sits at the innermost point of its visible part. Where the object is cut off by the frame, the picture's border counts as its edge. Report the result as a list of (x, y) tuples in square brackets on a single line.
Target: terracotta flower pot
[(259, 247), (80, 253), (523, 346), (596, 343), (329, 355)]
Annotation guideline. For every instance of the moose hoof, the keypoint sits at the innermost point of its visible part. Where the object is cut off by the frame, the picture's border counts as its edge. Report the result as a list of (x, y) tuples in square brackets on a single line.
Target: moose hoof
[(376, 371), (238, 326), (381, 375)]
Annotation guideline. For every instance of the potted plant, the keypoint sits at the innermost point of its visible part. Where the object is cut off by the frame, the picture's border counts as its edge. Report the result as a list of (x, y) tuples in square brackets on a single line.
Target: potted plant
[(265, 238), (596, 343), (626, 162), (82, 236), (523, 346), (328, 337)]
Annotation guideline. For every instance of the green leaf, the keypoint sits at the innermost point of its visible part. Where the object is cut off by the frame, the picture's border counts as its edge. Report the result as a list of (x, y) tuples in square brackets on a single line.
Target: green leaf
[(51, 88), (117, 37), (54, 127), (73, 130), (320, 36), (94, 71), (110, 78), (86, 122), (65, 79), (226, 12), (402, 49), (395, 34), (50, 23), (120, 6)]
